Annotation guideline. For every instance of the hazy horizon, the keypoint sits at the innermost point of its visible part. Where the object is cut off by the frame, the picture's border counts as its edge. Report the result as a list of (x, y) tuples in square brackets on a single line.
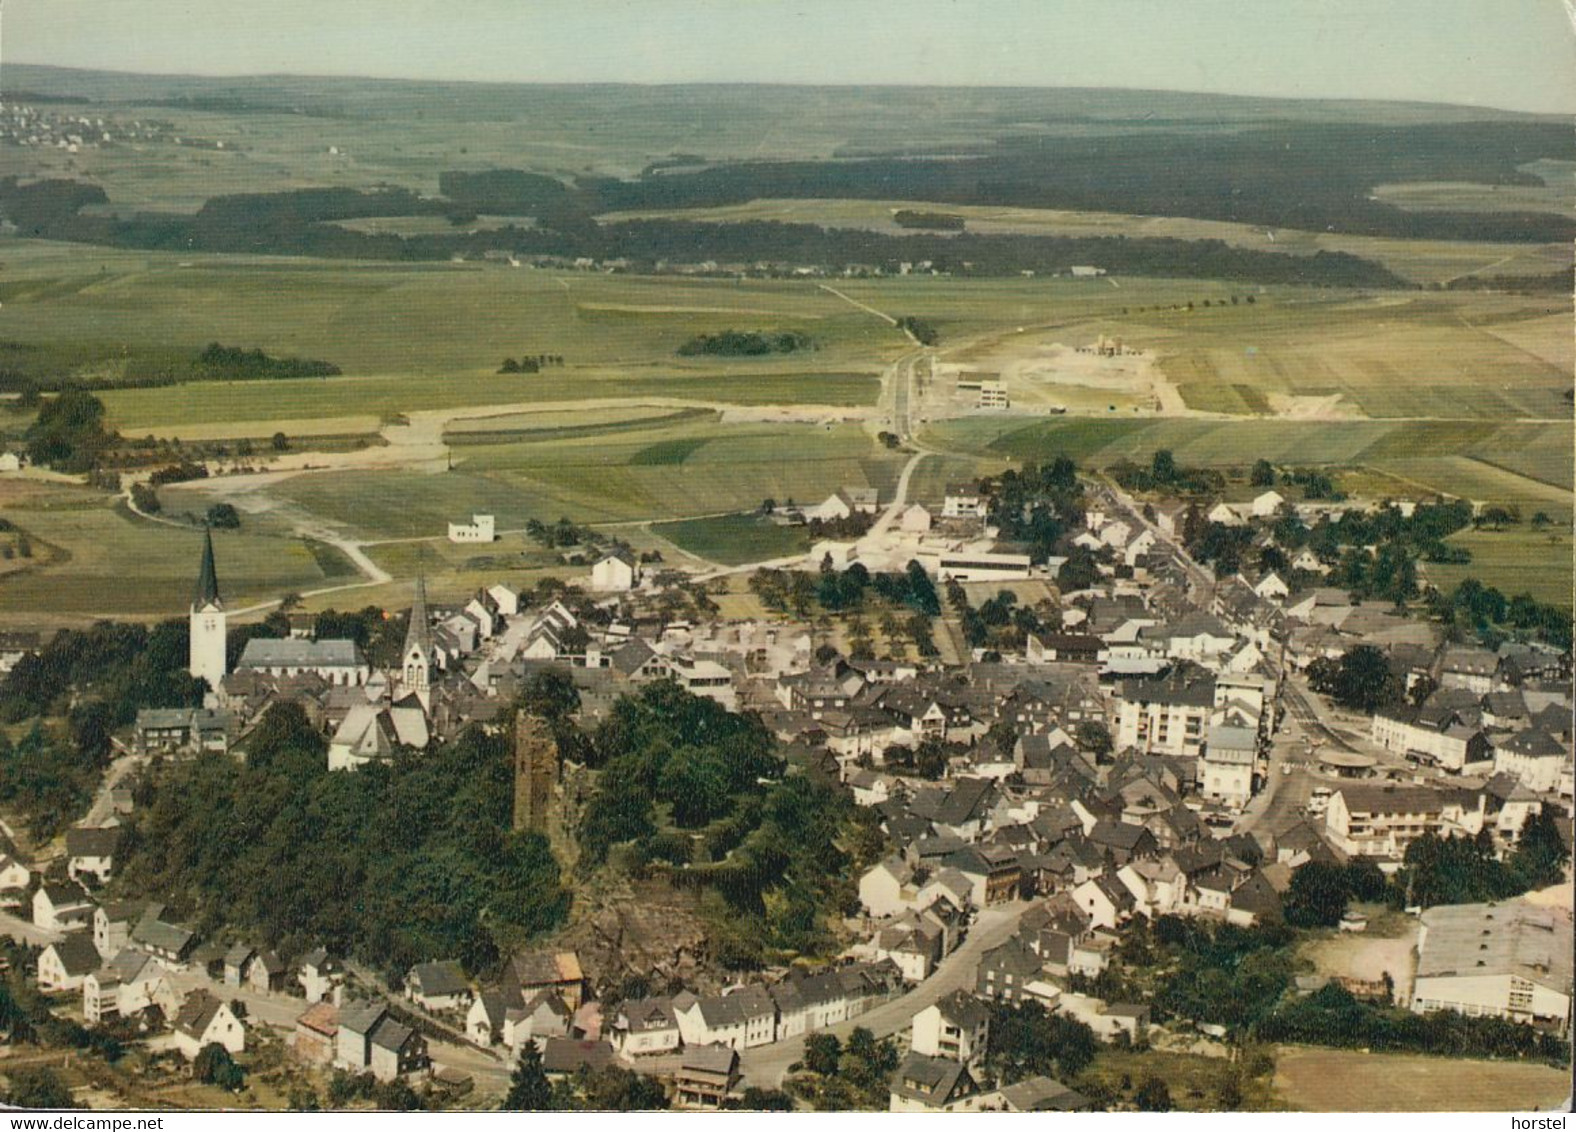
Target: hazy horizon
[(1444, 52)]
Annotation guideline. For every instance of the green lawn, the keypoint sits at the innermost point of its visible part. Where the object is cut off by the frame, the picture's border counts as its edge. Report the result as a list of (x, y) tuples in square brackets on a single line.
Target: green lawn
[(734, 539)]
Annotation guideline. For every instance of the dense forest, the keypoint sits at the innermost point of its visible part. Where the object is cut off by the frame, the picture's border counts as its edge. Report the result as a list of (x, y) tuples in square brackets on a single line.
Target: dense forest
[(394, 864), (302, 223)]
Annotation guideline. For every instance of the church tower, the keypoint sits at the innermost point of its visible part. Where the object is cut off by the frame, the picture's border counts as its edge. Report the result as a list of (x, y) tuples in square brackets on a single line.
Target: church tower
[(416, 658), (207, 656)]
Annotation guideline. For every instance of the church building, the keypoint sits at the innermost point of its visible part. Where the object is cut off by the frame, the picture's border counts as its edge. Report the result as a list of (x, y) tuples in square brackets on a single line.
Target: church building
[(207, 648)]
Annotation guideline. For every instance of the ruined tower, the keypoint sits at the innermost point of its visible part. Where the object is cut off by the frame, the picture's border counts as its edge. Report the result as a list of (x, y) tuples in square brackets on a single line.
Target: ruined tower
[(535, 773)]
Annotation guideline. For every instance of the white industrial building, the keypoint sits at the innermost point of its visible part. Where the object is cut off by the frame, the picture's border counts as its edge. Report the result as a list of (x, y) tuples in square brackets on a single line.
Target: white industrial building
[(1510, 960)]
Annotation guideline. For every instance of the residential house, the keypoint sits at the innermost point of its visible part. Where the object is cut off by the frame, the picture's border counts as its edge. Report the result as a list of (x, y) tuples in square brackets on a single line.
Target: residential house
[(266, 972), (438, 986), (1035, 1094), (204, 1020), (1166, 715), (369, 1038), (741, 1020), (933, 1084), (487, 1017), (173, 730), (317, 1033), (90, 851), (61, 907), (321, 976), (63, 965), (1381, 821), (112, 924), (1006, 970), (646, 1026), (706, 1076), (14, 875), (956, 1027), (888, 888), (1226, 768), (169, 942), (1534, 757)]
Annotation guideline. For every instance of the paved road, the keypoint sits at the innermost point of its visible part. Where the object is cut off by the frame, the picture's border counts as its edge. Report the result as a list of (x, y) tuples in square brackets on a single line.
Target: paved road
[(766, 1065), (24, 931), (280, 1011)]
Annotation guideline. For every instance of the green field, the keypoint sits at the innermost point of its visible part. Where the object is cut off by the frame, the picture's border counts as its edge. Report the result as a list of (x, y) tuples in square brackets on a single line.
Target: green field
[(99, 561), (690, 471), (734, 539)]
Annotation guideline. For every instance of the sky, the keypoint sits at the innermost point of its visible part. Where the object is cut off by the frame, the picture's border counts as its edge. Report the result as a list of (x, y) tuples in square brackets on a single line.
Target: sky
[(1512, 54)]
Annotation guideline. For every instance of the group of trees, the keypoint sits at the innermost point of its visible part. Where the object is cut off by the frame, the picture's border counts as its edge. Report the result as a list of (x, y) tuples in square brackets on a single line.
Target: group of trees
[(923, 330), (1468, 870), (69, 434), (1320, 892), (1472, 609), (930, 221), (1165, 474), (760, 849), (1036, 505), (232, 363), (1361, 679), (530, 363), (1331, 1016), (1026, 1040), (400, 862), (851, 1075), (746, 343)]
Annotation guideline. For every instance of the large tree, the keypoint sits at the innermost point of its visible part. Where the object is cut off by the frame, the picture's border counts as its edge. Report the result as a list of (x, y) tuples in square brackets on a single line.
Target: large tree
[(529, 1089)]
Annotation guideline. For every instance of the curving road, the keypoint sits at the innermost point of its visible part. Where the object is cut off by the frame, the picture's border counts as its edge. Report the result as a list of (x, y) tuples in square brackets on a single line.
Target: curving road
[(766, 1065)]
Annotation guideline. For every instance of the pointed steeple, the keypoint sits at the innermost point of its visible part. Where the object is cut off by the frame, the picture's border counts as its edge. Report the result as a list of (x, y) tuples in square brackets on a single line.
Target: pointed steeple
[(207, 577), (419, 634)]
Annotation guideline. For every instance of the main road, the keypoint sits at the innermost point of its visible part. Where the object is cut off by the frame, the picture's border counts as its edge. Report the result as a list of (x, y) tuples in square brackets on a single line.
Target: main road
[(766, 1065)]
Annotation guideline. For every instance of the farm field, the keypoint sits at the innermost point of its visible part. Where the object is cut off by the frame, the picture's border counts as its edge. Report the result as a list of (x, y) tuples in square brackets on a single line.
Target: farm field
[(697, 470), (1427, 456), (97, 560), (1422, 261), (1328, 1080), (1517, 560), (731, 540)]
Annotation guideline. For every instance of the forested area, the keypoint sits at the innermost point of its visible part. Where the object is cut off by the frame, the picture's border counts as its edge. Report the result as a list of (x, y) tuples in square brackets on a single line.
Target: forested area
[(692, 791), (400, 862)]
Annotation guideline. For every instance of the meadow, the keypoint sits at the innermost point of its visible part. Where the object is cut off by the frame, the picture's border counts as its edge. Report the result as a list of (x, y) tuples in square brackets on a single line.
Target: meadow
[(95, 560), (689, 471)]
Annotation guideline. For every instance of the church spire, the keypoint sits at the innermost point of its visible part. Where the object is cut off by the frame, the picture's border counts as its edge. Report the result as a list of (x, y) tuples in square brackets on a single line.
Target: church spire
[(207, 577), (419, 634)]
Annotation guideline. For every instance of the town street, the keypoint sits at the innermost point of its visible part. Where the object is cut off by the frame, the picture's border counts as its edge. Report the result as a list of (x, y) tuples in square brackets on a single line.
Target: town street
[(766, 1065)]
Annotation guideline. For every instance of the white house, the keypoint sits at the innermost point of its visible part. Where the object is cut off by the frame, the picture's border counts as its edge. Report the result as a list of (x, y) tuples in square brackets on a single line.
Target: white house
[(1226, 769), (481, 528), (1224, 514), (61, 907), (915, 520), (438, 986), (646, 1026), (957, 1027), (888, 888), (205, 1020), (13, 873), (62, 966), (617, 571), (1267, 504)]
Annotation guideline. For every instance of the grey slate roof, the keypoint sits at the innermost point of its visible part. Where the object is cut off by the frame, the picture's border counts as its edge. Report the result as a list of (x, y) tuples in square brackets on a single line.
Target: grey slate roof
[(294, 653)]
